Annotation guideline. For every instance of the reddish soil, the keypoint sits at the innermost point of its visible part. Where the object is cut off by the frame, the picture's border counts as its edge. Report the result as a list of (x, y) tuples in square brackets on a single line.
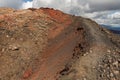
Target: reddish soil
[(47, 44)]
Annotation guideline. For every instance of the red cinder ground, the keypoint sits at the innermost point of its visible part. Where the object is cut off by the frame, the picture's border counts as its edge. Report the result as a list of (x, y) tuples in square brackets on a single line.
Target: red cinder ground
[(47, 44)]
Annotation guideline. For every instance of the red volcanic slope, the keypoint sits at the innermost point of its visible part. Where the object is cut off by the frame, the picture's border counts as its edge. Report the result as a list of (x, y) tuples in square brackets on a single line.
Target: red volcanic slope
[(40, 42), (47, 44)]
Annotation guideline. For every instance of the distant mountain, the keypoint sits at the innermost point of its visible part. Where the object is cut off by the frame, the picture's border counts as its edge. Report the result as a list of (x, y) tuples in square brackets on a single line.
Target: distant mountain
[(112, 28), (116, 31)]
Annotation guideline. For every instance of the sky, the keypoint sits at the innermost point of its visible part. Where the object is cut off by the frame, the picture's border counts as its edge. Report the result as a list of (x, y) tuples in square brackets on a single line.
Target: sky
[(102, 11)]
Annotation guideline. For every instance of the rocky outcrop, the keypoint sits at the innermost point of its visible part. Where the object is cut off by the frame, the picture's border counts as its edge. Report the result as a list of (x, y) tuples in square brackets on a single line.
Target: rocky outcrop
[(47, 44)]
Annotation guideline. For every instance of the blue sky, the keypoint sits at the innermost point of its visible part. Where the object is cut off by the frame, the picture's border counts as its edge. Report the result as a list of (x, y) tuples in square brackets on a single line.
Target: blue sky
[(27, 0), (102, 11)]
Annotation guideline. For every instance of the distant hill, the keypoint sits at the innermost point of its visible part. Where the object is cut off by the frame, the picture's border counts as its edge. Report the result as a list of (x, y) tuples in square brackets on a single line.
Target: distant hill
[(116, 31), (113, 29)]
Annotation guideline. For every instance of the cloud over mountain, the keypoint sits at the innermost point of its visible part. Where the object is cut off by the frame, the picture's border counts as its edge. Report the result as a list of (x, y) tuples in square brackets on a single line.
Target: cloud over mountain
[(102, 11), (98, 10)]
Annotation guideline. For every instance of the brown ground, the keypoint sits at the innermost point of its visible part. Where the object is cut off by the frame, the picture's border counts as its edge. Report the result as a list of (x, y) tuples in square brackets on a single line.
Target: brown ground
[(47, 44)]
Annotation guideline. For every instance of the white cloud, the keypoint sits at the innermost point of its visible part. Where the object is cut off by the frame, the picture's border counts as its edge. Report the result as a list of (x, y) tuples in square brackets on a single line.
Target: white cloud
[(27, 4), (11, 3), (115, 15), (107, 17), (92, 5), (17, 4)]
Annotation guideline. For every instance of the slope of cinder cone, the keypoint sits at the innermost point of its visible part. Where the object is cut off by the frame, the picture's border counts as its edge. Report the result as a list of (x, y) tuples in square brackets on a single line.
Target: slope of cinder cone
[(47, 44), (22, 39), (101, 61), (36, 43)]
